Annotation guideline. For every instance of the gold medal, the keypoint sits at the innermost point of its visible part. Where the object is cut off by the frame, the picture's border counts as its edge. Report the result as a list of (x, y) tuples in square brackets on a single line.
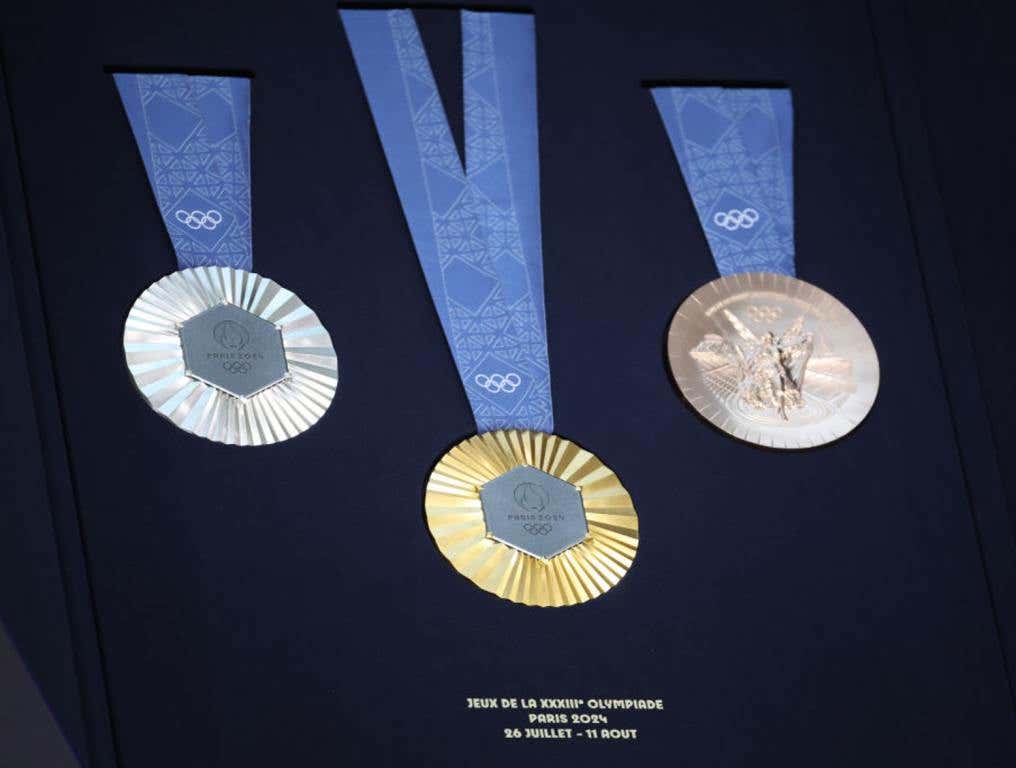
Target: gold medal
[(531, 517), (773, 360), (230, 356)]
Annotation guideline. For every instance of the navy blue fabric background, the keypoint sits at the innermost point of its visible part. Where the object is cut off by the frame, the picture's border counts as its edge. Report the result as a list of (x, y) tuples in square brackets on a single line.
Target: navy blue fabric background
[(286, 605), (965, 60)]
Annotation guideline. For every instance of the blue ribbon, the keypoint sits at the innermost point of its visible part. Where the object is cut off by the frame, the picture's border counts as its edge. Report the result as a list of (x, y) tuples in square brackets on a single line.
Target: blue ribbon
[(476, 226), (735, 150), (193, 133)]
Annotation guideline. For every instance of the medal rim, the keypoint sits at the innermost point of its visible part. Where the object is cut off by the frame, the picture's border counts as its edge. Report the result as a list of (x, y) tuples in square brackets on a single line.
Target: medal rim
[(265, 417), (582, 572), (836, 426)]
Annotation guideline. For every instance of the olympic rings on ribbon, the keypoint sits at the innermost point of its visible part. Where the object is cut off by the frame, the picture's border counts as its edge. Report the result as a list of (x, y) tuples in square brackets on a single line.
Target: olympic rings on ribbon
[(496, 383), (735, 219), (209, 219), (537, 529), (236, 366)]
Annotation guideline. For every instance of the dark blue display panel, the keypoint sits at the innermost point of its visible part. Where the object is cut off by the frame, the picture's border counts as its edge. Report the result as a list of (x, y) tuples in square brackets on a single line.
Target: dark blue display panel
[(285, 605)]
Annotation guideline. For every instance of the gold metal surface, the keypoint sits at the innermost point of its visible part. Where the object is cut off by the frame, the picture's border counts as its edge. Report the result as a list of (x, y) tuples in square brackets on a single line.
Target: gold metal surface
[(581, 572), (155, 358), (773, 360)]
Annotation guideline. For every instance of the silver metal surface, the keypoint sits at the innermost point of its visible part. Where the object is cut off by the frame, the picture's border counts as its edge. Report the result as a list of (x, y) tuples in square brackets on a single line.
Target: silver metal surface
[(534, 512), (230, 356), (233, 350), (773, 360)]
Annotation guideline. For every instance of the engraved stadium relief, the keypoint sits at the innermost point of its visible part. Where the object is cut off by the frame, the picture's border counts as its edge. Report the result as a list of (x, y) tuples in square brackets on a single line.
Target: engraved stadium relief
[(767, 374)]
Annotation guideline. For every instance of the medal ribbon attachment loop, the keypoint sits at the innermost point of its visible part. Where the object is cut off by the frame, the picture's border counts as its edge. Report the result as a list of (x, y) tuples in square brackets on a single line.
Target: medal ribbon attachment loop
[(220, 351), (735, 150), (765, 357), (475, 225), (193, 133)]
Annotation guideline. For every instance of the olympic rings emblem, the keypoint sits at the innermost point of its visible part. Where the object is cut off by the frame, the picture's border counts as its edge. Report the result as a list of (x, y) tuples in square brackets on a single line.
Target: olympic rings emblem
[(735, 219), (764, 314), (209, 219), (496, 383), (537, 529), (236, 366)]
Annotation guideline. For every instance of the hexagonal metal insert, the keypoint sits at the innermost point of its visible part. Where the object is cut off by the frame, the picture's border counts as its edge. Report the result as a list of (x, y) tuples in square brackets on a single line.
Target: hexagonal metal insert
[(233, 350), (534, 512)]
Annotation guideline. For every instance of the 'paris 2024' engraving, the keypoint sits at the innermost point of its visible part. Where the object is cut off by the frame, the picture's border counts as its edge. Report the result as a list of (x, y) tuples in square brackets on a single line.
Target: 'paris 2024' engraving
[(233, 350), (534, 512)]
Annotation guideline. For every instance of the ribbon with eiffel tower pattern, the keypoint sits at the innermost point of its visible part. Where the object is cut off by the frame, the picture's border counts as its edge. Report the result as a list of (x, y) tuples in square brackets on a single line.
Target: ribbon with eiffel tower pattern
[(193, 133), (735, 150), (475, 224)]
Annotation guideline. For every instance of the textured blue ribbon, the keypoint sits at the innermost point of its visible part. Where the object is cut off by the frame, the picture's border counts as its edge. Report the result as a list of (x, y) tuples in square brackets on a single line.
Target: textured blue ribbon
[(193, 132), (735, 150), (476, 226)]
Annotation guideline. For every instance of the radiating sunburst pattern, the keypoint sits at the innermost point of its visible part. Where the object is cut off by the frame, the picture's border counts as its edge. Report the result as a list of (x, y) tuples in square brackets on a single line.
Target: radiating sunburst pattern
[(580, 573), (155, 358)]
